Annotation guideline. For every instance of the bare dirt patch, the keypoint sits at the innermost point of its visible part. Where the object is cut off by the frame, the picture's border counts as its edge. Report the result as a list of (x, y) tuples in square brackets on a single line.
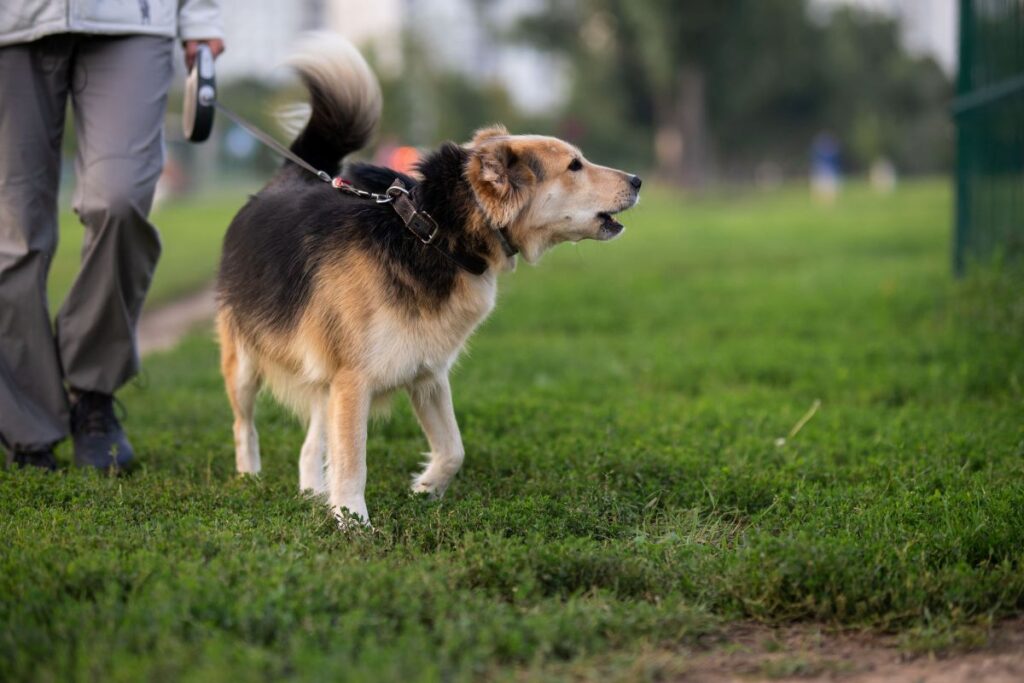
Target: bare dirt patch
[(163, 328), (807, 653)]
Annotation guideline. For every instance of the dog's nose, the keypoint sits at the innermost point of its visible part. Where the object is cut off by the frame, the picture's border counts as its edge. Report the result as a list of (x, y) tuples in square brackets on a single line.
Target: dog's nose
[(636, 182)]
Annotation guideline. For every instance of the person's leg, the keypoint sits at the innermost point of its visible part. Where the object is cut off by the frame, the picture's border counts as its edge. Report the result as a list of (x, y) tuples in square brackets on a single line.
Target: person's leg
[(119, 94), (119, 97), (34, 80)]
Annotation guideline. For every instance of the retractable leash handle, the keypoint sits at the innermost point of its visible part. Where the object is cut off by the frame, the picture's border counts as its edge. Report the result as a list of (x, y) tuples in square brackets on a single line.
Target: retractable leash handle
[(200, 97)]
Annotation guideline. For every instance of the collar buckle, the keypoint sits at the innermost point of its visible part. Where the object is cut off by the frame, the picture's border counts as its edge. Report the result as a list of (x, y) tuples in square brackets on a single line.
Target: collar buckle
[(423, 226)]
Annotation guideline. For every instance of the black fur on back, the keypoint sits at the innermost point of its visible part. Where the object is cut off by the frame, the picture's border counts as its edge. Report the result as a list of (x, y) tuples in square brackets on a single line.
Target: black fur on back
[(281, 237)]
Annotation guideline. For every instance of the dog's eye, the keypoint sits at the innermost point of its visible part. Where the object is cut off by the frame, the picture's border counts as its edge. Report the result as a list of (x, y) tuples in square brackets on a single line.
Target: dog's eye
[(575, 165)]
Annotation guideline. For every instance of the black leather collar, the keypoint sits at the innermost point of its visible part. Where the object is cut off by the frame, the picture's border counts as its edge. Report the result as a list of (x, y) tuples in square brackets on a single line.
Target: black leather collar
[(506, 244), (423, 226)]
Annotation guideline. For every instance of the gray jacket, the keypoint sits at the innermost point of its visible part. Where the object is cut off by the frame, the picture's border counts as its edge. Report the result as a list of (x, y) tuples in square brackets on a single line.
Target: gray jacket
[(22, 21)]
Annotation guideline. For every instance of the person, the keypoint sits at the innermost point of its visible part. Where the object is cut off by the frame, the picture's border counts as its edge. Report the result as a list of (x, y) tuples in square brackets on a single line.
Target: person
[(114, 61), (826, 170)]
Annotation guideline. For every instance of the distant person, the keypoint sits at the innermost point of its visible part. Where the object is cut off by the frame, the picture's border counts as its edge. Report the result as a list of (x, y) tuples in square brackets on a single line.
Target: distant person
[(825, 167), (882, 175), (114, 61)]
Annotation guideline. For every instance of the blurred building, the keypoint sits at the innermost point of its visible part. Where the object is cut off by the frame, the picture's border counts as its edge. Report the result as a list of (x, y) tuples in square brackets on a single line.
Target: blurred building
[(373, 26), (260, 34), (457, 33)]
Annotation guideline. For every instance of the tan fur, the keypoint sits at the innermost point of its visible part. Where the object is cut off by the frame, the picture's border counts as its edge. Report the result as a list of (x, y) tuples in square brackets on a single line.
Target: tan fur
[(242, 382)]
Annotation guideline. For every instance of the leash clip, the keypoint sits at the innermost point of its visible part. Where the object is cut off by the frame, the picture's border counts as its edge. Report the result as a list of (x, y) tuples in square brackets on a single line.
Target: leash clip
[(392, 193)]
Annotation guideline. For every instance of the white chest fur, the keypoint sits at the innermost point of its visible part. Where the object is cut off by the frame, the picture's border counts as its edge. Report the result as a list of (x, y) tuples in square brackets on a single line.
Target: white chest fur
[(400, 348)]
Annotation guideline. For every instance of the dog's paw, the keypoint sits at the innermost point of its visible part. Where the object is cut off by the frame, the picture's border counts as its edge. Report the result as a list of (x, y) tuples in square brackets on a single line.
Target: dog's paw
[(423, 485), (314, 495), (349, 522), (349, 518), (423, 496)]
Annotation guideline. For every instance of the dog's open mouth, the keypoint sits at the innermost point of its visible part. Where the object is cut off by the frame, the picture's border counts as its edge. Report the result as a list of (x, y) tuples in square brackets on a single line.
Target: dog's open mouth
[(609, 226)]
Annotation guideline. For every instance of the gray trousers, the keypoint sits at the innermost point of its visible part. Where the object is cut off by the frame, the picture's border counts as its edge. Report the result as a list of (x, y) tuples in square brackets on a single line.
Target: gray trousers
[(118, 90)]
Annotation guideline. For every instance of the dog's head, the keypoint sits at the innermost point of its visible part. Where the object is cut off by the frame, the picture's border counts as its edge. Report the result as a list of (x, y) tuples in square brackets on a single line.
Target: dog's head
[(544, 191)]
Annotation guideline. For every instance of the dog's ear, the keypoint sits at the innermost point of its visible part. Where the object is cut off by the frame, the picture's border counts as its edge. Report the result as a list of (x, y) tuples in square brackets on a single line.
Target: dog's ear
[(502, 179), (483, 134)]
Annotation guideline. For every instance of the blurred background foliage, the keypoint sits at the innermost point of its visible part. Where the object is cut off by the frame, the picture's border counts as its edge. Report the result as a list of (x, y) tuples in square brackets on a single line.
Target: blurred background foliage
[(699, 92), (746, 82)]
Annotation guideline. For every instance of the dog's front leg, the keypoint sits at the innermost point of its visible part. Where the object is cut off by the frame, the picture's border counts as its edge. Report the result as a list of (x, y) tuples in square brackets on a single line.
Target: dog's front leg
[(348, 408), (432, 401), (311, 457)]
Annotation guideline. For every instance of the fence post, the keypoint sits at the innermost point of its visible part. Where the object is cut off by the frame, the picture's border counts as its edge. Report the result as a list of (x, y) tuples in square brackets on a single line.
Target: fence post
[(962, 225)]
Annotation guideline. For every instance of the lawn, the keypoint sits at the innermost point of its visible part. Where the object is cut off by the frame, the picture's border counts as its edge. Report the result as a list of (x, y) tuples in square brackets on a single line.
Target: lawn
[(190, 231), (625, 491)]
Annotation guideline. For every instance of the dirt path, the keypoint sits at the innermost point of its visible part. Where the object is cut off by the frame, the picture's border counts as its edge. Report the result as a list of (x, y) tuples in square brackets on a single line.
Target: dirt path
[(163, 328), (804, 653)]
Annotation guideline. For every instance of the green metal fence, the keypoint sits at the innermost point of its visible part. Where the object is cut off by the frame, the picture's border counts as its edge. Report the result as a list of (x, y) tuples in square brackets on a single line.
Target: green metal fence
[(989, 113)]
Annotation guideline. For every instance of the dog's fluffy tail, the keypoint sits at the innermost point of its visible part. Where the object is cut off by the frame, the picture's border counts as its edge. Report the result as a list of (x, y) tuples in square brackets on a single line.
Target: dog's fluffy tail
[(345, 98)]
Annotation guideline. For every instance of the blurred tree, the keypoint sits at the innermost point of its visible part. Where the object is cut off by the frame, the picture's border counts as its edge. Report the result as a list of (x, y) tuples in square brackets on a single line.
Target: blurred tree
[(883, 101), (427, 103), (656, 55), (770, 88), (727, 84), (677, 49)]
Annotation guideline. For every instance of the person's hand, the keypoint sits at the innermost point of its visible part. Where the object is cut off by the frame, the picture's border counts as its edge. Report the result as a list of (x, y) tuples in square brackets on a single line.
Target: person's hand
[(192, 46)]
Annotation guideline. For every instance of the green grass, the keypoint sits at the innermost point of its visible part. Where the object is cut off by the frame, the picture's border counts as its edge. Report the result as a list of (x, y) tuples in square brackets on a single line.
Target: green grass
[(191, 234), (622, 491)]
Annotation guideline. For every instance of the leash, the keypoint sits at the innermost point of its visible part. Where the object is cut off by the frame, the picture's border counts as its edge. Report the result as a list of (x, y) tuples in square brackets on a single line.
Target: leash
[(271, 142)]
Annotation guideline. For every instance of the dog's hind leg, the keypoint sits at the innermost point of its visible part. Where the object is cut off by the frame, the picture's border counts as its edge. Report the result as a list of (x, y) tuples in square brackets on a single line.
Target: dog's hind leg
[(348, 410), (314, 448), (432, 401), (242, 381)]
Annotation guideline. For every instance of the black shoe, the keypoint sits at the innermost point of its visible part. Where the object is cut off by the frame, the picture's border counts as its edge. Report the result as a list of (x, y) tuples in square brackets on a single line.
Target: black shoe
[(99, 440), (44, 459)]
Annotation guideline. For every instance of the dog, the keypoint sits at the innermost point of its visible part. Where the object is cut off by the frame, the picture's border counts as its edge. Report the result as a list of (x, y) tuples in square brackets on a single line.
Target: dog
[(334, 303)]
